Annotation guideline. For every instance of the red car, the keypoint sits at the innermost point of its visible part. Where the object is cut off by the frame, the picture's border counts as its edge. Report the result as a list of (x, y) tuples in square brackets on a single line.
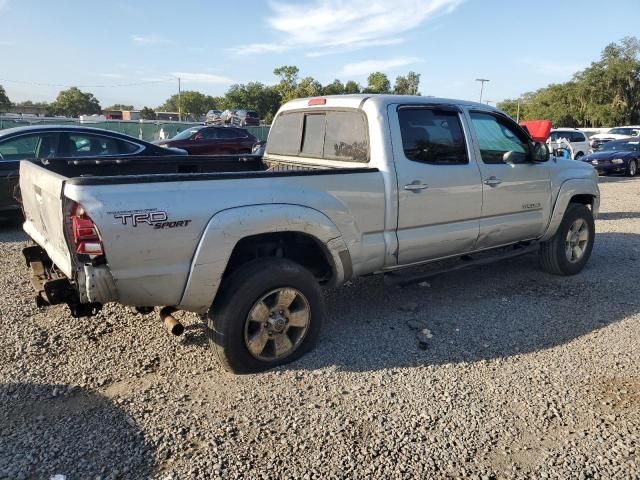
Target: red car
[(214, 140)]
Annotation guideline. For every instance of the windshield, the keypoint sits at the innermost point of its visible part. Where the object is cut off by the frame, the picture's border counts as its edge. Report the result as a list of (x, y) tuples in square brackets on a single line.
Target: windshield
[(620, 147), (632, 132), (185, 134)]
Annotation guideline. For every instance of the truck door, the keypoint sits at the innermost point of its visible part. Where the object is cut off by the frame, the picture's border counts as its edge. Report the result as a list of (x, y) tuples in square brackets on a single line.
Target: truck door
[(439, 188), (516, 195)]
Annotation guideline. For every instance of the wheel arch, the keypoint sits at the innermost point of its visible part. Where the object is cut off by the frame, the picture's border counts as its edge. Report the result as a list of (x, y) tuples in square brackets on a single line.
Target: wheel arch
[(581, 191), (235, 236)]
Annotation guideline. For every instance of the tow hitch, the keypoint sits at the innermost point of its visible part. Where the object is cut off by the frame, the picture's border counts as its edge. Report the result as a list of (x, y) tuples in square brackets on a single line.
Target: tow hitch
[(53, 287)]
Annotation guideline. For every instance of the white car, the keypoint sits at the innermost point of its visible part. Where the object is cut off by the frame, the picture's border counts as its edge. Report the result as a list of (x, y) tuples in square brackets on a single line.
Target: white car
[(618, 133), (578, 140)]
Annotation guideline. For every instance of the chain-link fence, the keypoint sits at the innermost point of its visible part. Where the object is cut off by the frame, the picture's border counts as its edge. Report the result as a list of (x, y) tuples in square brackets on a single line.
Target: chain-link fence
[(148, 130)]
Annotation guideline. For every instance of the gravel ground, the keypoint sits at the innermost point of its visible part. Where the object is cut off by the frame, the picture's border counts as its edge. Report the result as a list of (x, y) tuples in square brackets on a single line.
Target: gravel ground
[(519, 375)]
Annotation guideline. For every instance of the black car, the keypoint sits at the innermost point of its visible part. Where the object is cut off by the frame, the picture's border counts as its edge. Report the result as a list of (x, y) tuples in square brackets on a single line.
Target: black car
[(616, 156), (48, 141)]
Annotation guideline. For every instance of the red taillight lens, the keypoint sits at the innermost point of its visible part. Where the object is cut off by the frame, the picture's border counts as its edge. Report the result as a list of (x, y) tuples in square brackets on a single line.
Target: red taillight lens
[(317, 101), (85, 233)]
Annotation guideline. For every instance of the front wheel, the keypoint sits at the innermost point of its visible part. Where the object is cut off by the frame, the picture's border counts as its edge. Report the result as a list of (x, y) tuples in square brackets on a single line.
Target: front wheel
[(568, 251), (268, 313), (632, 168)]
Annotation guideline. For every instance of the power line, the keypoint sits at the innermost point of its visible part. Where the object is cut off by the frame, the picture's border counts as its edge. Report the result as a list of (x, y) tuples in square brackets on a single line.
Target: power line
[(38, 84)]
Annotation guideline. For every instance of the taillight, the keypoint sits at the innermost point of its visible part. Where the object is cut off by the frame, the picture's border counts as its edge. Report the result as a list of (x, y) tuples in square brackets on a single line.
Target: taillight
[(85, 233)]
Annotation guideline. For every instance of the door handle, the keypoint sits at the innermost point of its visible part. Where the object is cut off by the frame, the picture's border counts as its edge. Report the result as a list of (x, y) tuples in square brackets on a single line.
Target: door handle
[(415, 186), (492, 181)]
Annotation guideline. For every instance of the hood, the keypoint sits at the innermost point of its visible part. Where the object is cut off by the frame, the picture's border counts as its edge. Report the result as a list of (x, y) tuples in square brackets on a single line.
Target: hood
[(607, 155)]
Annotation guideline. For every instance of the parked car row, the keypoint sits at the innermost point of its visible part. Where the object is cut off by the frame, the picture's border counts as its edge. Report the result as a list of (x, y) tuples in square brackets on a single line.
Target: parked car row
[(74, 142), (238, 118)]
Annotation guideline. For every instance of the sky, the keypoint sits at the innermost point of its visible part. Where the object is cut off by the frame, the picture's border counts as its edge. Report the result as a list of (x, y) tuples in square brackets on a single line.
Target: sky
[(132, 52)]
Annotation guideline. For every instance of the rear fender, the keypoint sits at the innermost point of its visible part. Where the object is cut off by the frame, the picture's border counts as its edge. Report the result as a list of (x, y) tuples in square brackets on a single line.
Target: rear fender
[(569, 190), (230, 226)]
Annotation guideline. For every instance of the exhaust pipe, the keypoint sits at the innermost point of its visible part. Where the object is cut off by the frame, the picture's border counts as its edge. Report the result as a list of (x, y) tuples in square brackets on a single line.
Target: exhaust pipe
[(174, 327)]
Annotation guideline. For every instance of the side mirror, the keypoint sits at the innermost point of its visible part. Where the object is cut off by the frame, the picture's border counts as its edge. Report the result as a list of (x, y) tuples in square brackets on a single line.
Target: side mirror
[(540, 152), (511, 157)]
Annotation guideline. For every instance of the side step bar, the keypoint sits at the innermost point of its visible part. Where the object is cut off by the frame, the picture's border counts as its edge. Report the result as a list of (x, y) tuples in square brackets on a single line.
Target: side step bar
[(52, 287), (402, 280)]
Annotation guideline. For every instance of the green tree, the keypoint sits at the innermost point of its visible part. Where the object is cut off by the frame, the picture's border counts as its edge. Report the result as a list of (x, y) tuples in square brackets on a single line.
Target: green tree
[(288, 75), (189, 102), (407, 85), (253, 96), (5, 103), (606, 93), (352, 87), (73, 102), (377, 82), (147, 113), (334, 88), (308, 87), (120, 106)]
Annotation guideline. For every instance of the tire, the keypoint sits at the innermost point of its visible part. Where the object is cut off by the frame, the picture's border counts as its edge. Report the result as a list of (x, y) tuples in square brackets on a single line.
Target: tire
[(632, 168), (255, 289), (554, 254), (578, 156)]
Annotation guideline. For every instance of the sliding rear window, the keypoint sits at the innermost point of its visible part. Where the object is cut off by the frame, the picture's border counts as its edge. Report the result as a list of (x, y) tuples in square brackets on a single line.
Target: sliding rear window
[(329, 135)]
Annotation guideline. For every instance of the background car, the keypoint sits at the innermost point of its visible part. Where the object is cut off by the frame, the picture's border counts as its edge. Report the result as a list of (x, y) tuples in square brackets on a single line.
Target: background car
[(214, 117), (616, 156), (48, 141), (246, 118), (213, 140), (618, 133), (577, 139)]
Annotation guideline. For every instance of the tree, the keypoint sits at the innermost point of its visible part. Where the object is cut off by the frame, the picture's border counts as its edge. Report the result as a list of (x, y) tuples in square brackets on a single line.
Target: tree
[(253, 96), (334, 88), (308, 87), (73, 102), (352, 87), (606, 93), (377, 82), (407, 85), (5, 103), (191, 103), (288, 81), (120, 106), (147, 113)]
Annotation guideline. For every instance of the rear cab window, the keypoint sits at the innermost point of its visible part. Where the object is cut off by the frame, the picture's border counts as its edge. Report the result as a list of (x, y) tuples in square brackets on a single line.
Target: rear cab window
[(339, 135)]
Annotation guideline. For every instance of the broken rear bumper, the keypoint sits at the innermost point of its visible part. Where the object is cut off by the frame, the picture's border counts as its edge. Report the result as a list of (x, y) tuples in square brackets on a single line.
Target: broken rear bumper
[(53, 287)]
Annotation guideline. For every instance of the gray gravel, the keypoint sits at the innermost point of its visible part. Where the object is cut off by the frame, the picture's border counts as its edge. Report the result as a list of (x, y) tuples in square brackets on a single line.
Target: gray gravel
[(499, 372)]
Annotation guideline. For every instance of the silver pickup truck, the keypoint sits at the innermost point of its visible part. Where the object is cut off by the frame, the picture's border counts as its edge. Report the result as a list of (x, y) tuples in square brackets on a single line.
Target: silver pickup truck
[(349, 185)]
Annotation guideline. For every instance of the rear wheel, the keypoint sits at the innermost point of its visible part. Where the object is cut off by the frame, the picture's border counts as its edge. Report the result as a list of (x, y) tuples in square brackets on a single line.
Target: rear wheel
[(568, 251), (632, 168), (268, 313), (578, 156)]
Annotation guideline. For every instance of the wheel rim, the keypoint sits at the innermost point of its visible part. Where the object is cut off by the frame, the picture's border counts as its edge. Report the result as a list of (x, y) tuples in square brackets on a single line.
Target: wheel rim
[(632, 168), (577, 240), (276, 324)]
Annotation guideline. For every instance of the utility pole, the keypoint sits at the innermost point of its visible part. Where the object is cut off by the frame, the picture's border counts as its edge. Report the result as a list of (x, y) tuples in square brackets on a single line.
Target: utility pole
[(482, 82), (518, 114), (179, 102)]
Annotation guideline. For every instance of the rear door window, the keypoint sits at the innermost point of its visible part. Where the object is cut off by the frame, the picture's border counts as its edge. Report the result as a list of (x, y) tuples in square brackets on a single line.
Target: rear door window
[(432, 136)]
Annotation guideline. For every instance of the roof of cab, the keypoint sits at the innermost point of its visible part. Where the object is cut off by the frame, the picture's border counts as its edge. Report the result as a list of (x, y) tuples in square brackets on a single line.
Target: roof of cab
[(380, 100)]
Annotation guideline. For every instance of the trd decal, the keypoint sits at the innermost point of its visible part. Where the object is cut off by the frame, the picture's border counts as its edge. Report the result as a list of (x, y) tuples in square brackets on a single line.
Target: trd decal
[(152, 217)]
